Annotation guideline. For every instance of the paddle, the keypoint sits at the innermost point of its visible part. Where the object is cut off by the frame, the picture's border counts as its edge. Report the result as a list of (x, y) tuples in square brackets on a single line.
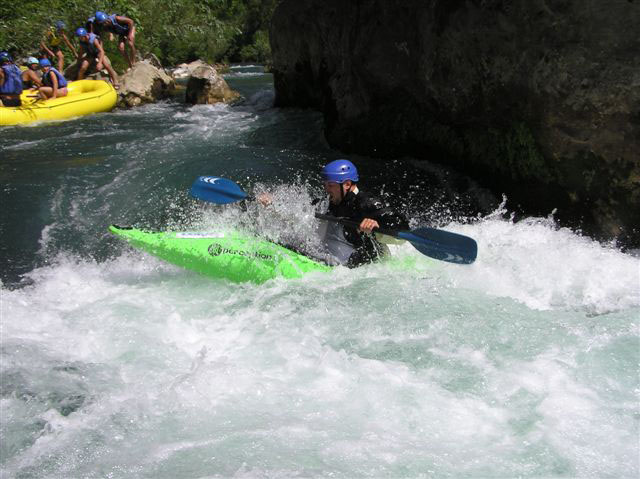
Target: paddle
[(437, 244), (217, 190)]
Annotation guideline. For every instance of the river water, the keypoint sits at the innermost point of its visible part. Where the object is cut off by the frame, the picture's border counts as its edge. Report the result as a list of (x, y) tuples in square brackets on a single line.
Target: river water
[(115, 364)]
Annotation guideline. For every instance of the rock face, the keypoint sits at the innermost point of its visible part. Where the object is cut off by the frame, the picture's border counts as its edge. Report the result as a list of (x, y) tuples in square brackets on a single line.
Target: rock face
[(144, 83), (539, 99), (206, 86)]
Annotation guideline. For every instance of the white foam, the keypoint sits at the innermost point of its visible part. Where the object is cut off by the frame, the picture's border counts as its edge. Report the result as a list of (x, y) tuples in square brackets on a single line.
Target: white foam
[(547, 267), (378, 369)]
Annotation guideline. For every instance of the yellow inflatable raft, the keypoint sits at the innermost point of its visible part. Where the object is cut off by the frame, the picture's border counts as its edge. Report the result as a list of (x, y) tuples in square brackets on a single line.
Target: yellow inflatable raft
[(84, 97)]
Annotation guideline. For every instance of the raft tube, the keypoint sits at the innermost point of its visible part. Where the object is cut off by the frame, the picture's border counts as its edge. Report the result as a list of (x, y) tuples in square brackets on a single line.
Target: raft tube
[(84, 98), (223, 255)]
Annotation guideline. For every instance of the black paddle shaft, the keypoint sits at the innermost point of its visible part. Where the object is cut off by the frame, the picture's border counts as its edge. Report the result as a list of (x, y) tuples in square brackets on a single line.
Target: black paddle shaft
[(354, 224)]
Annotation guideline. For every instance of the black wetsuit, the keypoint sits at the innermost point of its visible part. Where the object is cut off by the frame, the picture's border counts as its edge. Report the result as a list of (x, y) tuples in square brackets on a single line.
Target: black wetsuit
[(357, 207)]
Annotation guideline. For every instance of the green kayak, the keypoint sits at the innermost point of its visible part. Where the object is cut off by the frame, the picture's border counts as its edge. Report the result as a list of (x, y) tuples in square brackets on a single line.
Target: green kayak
[(222, 255)]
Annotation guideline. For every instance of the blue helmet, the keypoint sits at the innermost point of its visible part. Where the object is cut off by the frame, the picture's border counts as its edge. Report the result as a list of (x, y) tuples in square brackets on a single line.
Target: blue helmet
[(5, 57), (101, 17), (339, 171), (44, 63), (60, 25), (81, 32)]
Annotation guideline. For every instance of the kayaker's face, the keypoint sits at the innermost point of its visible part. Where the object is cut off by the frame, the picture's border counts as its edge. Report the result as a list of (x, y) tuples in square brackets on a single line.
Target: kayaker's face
[(34, 66), (84, 38), (336, 191)]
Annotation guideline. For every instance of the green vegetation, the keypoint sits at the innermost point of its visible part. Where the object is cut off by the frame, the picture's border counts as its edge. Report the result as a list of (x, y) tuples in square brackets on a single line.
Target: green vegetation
[(174, 30)]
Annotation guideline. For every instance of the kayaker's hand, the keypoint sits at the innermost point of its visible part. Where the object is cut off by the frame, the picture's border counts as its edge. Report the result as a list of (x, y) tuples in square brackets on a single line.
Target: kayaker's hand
[(265, 199), (368, 225), (99, 66)]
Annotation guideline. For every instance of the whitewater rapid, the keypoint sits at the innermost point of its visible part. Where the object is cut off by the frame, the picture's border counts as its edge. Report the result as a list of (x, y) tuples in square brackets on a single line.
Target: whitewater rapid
[(508, 367), (115, 364)]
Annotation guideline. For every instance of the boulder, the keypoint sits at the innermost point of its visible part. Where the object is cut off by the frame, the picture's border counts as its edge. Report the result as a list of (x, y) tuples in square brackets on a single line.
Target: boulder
[(536, 99), (205, 86), (144, 83), (153, 59), (184, 70)]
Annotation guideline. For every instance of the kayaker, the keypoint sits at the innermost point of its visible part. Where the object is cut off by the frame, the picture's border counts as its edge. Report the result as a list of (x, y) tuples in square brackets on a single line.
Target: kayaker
[(10, 81), (347, 245), (92, 54), (31, 77), (124, 28), (355, 246), (54, 37), (54, 83)]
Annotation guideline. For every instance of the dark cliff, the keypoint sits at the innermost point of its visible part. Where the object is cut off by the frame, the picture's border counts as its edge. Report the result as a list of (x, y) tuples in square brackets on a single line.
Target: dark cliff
[(537, 99)]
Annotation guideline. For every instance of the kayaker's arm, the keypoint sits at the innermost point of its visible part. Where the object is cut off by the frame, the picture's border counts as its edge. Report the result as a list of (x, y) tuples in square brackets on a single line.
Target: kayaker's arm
[(367, 225)]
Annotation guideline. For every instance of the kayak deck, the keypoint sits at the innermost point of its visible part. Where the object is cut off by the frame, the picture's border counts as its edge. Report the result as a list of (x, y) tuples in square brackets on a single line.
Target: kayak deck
[(222, 254)]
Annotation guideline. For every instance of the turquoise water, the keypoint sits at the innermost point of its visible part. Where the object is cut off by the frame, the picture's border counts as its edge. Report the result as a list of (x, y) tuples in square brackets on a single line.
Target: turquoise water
[(114, 364)]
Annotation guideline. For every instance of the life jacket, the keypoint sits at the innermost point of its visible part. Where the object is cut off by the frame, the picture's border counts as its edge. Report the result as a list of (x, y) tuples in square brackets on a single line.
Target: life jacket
[(89, 46), (54, 39), (116, 28), (12, 80), (46, 79)]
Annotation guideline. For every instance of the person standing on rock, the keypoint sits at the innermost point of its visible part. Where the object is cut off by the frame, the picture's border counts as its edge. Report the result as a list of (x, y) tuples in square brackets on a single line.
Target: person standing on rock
[(124, 28), (92, 54), (54, 37)]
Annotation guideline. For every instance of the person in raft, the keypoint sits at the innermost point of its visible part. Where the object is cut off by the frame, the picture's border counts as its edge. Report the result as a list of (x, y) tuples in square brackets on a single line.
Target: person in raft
[(54, 37), (10, 81), (92, 54), (30, 76), (348, 245), (54, 84), (124, 28)]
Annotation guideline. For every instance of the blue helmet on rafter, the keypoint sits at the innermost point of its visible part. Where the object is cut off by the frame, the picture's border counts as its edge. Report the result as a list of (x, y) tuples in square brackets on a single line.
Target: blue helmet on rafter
[(5, 57), (81, 32), (101, 17), (339, 171), (44, 62)]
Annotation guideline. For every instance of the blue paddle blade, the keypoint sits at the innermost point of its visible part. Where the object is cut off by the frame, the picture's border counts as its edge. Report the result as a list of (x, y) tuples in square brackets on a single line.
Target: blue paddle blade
[(216, 190), (442, 245)]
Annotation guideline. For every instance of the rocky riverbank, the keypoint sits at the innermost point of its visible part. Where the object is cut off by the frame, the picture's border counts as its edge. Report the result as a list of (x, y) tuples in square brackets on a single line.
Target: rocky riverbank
[(147, 82), (539, 100)]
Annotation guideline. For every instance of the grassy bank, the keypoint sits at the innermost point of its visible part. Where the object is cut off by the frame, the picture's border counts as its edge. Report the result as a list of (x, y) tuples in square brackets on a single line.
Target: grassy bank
[(174, 30)]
